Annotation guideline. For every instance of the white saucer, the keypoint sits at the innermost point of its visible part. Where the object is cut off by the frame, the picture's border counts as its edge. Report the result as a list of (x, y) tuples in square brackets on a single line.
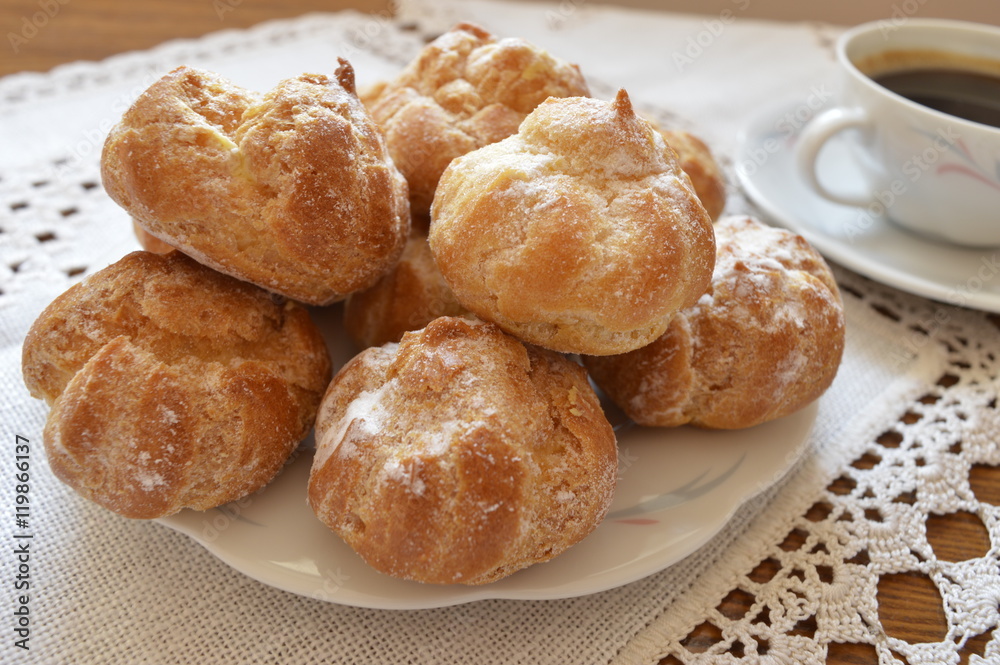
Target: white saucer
[(871, 246)]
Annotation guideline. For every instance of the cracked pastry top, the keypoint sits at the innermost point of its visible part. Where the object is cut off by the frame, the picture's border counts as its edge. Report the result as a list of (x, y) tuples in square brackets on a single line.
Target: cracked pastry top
[(293, 190), (464, 90)]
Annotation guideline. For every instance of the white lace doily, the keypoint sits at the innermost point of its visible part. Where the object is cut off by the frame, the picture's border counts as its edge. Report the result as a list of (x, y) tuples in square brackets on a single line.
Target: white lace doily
[(911, 418)]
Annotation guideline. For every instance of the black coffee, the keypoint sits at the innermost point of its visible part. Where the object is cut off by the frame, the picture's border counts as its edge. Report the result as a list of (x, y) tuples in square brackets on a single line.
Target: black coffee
[(965, 94)]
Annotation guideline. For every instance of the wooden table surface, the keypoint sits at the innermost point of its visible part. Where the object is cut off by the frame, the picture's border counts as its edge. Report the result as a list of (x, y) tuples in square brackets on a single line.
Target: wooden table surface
[(44, 33), (41, 34)]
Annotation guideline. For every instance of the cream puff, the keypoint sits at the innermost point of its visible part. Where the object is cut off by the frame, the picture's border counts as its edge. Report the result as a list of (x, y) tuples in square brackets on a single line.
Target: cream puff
[(293, 190), (461, 455), (171, 385), (581, 233), (763, 342)]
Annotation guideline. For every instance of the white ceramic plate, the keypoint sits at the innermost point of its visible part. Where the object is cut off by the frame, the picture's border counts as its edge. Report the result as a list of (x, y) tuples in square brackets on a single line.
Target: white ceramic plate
[(677, 488), (871, 246)]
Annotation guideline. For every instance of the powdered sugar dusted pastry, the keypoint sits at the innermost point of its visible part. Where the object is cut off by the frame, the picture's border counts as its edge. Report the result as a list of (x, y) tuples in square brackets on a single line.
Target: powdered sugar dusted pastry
[(149, 242), (464, 90), (580, 233), (172, 385), (765, 341), (293, 191), (460, 455), (409, 297)]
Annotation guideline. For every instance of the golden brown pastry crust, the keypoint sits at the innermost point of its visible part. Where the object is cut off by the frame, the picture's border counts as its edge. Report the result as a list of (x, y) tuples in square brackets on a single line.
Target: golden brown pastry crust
[(580, 233), (293, 191), (461, 455), (172, 385), (464, 90), (409, 297), (697, 161), (765, 341), (149, 242)]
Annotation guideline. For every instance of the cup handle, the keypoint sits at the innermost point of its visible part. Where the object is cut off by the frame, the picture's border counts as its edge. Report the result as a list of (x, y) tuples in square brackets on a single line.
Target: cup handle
[(814, 136)]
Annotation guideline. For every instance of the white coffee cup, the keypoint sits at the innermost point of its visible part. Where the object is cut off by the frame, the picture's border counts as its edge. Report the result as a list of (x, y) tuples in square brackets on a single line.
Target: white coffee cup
[(931, 172)]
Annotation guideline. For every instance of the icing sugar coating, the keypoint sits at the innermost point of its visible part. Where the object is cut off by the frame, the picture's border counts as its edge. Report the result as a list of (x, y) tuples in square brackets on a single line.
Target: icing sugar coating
[(765, 340), (461, 455), (580, 233), (172, 386), (292, 190)]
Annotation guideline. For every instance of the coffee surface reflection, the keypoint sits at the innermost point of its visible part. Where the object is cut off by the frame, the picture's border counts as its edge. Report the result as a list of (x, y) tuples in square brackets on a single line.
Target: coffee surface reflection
[(959, 85), (965, 94)]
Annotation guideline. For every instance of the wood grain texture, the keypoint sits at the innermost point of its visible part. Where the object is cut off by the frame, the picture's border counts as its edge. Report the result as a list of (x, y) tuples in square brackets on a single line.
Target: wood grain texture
[(910, 606), (40, 34)]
